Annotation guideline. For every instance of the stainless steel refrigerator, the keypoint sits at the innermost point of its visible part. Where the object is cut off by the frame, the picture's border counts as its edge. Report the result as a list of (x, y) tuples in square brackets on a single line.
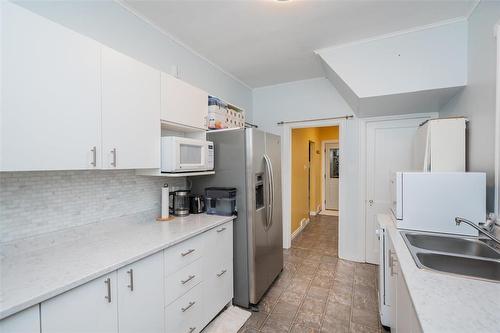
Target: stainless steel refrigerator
[(250, 160)]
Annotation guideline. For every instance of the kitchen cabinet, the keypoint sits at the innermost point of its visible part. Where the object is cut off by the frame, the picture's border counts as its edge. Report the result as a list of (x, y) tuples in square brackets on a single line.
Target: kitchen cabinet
[(91, 307), (50, 95), (26, 321), (404, 317), (130, 113), (179, 289), (140, 296), (218, 271), (183, 104)]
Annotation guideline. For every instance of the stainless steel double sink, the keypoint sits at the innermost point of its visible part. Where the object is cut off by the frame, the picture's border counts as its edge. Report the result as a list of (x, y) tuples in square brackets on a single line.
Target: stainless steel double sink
[(453, 254)]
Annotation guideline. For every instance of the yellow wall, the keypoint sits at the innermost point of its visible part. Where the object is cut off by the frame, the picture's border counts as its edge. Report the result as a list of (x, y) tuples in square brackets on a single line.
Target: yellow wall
[(300, 172)]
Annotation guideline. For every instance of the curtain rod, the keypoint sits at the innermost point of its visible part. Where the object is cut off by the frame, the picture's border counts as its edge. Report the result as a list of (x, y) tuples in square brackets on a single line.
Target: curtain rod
[(317, 119)]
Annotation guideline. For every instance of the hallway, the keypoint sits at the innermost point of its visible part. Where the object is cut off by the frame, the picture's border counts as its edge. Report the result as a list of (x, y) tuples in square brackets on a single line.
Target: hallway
[(317, 292)]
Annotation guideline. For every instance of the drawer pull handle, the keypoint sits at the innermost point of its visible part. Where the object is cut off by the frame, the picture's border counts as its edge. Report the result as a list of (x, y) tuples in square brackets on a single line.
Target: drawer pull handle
[(221, 273), (108, 287), (187, 307), (191, 329), (131, 274), (221, 229), (187, 252), (188, 279)]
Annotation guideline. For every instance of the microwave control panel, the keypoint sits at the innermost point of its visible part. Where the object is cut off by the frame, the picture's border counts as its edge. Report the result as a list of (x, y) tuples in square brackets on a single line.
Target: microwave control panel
[(210, 156)]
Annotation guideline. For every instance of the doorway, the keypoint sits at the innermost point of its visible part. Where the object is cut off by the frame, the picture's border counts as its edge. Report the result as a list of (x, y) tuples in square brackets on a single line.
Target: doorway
[(389, 148), (331, 179), (308, 173)]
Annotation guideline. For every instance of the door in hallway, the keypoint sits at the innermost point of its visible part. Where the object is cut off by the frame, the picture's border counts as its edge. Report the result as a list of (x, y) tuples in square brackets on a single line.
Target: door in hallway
[(389, 148), (331, 176)]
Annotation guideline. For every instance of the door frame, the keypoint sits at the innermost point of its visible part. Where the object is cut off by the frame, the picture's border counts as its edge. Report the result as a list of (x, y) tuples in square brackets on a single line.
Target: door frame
[(323, 171), (286, 157), (363, 160)]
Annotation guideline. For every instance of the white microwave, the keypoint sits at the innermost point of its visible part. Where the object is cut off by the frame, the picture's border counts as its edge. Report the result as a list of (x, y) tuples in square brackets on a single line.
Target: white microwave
[(180, 154), (430, 201)]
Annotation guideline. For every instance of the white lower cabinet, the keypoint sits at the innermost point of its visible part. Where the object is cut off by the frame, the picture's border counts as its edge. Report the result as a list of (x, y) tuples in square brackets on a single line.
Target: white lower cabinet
[(185, 315), (140, 296), (178, 290), (26, 321), (405, 318), (91, 307), (218, 270)]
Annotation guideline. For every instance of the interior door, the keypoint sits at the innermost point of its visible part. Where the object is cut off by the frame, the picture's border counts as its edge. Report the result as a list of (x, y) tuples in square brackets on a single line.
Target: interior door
[(332, 176), (389, 148)]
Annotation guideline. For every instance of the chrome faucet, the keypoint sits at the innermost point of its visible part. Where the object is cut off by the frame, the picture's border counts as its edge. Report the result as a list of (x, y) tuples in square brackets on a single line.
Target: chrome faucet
[(459, 220)]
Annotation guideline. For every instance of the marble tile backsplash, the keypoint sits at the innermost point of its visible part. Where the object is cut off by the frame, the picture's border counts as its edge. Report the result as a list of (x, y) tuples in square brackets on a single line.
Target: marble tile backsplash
[(34, 203)]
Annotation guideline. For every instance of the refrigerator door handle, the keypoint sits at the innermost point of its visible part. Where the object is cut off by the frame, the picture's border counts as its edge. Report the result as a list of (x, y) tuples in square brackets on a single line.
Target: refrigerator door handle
[(270, 203)]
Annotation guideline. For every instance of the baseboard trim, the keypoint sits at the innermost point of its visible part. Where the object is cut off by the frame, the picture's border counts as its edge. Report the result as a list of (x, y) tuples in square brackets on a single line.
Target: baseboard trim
[(303, 223), (314, 213)]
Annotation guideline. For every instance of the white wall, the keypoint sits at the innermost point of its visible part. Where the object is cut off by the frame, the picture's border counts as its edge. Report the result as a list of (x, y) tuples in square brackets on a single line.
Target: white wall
[(425, 59), (298, 100), (111, 24), (317, 98), (477, 100)]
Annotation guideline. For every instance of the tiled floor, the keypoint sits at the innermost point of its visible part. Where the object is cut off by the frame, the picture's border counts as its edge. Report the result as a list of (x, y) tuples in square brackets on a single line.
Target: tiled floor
[(317, 292)]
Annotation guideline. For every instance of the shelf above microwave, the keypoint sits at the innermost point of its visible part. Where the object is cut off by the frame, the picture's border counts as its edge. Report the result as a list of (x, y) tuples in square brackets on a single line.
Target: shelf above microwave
[(158, 173)]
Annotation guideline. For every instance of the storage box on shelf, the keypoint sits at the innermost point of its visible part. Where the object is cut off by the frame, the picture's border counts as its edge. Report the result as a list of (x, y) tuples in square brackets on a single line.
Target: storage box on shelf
[(223, 115)]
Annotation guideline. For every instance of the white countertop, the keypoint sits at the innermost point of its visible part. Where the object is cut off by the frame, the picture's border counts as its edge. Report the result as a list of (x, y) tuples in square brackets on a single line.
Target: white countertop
[(36, 269), (443, 302)]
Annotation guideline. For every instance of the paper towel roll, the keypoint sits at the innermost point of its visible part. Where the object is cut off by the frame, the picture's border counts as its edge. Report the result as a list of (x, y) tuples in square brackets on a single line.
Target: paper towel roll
[(164, 201)]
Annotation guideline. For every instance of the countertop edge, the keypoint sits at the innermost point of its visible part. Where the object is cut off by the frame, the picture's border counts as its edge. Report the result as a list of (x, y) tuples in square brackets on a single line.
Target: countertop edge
[(4, 313)]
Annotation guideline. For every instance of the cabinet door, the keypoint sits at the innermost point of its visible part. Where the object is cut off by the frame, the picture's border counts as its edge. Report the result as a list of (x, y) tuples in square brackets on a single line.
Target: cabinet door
[(182, 103), (130, 113), (91, 307), (141, 296), (26, 321), (218, 271), (391, 280), (50, 95)]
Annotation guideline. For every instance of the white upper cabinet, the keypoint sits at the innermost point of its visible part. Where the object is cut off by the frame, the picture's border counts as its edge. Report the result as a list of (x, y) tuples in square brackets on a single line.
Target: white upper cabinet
[(50, 105), (183, 104), (130, 113), (141, 299)]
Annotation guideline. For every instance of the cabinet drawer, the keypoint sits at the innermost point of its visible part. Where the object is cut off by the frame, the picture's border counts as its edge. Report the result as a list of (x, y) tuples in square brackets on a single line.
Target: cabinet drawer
[(218, 290), (220, 242), (185, 314), (183, 254), (182, 281)]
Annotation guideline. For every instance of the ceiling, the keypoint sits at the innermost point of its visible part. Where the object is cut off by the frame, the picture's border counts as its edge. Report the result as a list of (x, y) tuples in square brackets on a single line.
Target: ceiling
[(268, 42)]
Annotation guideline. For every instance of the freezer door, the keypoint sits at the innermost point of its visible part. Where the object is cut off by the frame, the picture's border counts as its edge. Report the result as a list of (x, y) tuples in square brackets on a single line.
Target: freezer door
[(257, 203), (275, 227)]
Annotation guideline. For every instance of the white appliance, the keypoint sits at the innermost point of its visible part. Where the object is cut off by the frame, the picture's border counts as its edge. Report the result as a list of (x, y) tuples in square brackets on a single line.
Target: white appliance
[(180, 154), (440, 145), (430, 201)]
